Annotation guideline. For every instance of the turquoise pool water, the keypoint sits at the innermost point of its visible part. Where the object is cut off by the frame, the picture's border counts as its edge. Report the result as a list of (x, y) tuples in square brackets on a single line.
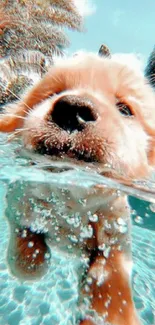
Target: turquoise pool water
[(53, 299)]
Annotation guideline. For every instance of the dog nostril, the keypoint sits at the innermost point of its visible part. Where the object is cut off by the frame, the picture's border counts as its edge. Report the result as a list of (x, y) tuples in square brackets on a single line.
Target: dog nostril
[(72, 113)]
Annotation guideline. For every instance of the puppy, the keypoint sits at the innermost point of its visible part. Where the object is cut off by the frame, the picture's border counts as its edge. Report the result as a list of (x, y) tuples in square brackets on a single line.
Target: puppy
[(96, 111)]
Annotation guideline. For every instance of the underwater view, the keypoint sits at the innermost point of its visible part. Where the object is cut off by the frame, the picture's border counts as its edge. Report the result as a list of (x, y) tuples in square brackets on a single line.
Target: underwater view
[(66, 178)]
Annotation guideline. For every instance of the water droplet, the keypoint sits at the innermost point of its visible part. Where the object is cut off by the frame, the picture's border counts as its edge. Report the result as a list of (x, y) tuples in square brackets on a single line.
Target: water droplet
[(139, 220)]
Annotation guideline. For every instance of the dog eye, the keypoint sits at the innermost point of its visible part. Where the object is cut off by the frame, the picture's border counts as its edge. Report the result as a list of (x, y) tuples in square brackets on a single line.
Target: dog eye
[(124, 109)]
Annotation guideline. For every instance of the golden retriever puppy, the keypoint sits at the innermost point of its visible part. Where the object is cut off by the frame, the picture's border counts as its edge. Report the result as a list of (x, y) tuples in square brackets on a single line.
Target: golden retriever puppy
[(96, 111)]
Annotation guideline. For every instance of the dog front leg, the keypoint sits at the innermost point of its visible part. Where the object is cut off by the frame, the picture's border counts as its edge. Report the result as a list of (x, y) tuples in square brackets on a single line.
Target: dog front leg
[(28, 254), (109, 275), (110, 292)]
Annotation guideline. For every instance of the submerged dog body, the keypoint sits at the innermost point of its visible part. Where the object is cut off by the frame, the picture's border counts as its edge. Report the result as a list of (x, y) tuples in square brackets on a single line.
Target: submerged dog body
[(88, 109)]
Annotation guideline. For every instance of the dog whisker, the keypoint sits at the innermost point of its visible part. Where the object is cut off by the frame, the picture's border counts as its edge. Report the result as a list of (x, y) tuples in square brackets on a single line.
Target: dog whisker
[(16, 96), (12, 115)]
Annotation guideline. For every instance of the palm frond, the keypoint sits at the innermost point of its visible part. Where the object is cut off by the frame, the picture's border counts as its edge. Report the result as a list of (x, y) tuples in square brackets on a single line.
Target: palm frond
[(31, 31), (19, 72), (36, 25)]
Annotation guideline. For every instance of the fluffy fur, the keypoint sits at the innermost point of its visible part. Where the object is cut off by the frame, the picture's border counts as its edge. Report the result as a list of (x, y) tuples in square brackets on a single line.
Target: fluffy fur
[(97, 110)]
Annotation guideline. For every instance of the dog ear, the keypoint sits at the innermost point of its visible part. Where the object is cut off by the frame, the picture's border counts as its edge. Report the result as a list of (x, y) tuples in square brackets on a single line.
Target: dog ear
[(104, 51), (150, 68), (150, 76)]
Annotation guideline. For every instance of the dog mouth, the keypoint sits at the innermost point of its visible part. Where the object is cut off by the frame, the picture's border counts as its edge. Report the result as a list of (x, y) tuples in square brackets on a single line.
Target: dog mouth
[(66, 152)]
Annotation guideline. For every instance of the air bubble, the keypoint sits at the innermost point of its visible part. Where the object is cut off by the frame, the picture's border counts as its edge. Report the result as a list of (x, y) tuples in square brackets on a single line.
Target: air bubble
[(89, 280), (30, 244), (73, 238), (47, 256), (121, 222), (107, 252), (101, 247), (87, 288), (107, 225), (83, 202), (69, 246), (87, 232), (121, 225), (123, 229), (124, 302), (93, 218), (24, 234), (107, 303)]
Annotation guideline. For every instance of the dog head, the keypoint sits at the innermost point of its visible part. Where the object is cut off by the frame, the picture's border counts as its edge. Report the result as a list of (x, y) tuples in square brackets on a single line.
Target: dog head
[(93, 109)]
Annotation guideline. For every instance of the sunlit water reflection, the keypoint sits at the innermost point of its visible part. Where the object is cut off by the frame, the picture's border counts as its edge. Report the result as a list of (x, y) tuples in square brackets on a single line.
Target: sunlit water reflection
[(53, 299)]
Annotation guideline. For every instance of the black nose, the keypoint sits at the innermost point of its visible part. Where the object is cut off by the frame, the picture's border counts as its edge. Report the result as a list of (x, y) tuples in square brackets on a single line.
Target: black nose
[(72, 113)]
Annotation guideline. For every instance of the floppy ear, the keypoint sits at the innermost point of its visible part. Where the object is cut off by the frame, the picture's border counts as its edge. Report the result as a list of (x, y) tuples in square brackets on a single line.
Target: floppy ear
[(104, 51), (150, 75), (150, 69)]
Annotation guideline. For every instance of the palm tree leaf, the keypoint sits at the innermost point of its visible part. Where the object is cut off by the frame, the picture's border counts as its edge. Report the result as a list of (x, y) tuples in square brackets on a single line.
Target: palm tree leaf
[(36, 25), (19, 72)]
